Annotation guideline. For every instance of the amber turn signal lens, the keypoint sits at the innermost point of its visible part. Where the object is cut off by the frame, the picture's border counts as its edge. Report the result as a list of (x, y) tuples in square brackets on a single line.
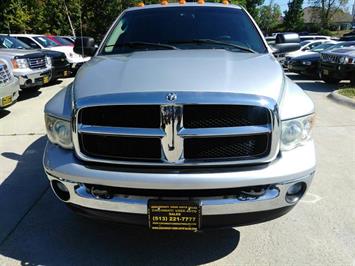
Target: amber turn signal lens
[(14, 64)]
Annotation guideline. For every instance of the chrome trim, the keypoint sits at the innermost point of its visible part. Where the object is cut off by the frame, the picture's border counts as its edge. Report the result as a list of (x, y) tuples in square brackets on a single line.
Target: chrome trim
[(172, 124), (224, 131), (121, 131), (274, 198)]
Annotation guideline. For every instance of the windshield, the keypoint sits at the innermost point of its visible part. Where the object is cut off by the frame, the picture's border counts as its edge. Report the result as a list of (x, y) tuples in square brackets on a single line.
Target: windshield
[(45, 42), (322, 47), (184, 28), (63, 41), (341, 45), (11, 42)]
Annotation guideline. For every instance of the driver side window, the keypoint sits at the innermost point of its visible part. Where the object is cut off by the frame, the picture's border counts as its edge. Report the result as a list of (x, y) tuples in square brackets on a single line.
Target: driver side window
[(29, 42)]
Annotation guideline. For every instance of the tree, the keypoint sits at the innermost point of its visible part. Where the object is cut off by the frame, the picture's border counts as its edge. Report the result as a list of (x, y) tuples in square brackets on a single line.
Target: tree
[(252, 7), (327, 9), (293, 20), (16, 16), (269, 17)]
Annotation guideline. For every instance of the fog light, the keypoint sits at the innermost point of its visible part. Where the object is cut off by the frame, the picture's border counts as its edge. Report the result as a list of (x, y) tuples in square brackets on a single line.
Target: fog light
[(295, 192), (60, 190)]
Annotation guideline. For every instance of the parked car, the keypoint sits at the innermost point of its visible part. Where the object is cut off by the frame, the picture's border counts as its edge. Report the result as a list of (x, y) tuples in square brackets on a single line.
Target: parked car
[(337, 65), (43, 42), (69, 38), (60, 67), (314, 37), (306, 46), (309, 64), (181, 130), (60, 41), (31, 67), (9, 85)]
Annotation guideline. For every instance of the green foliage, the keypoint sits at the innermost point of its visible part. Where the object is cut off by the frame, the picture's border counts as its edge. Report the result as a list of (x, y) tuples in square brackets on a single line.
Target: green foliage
[(269, 18), (293, 20), (252, 7)]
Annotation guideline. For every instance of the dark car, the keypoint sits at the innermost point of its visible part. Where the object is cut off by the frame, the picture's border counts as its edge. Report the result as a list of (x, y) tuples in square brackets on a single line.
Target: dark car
[(60, 66), (309, 64), (337, 65)]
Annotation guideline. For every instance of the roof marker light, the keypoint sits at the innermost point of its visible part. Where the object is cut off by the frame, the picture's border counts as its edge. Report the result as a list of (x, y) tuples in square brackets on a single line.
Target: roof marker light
[(225, 2), (201, 2), (140, 4), (182, 2), (164, 2)]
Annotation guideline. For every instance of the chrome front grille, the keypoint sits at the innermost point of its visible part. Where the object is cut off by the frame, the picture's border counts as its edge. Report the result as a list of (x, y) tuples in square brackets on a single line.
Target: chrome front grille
[(244, 129), (37, 62), (330, 58), (5, 74)]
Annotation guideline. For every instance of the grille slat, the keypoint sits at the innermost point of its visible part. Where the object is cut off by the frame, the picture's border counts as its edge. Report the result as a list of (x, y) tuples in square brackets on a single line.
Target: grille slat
[(37, 63), (5, 75), (211, 116)]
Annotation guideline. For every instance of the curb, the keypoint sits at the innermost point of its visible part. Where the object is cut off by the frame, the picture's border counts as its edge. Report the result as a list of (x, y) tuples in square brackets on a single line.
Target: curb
[(336, 97)]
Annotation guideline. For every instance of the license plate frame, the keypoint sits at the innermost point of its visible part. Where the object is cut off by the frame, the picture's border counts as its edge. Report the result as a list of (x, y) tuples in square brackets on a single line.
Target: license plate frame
[(174, 215), (5, 101)]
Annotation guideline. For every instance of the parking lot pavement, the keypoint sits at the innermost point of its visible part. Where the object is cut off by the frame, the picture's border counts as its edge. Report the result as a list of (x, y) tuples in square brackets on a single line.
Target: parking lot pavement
[(35, 228)]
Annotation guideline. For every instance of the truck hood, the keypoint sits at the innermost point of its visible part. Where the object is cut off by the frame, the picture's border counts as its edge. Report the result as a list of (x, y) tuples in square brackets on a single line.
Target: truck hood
[(17, 52), (181, 70), (343, 51)]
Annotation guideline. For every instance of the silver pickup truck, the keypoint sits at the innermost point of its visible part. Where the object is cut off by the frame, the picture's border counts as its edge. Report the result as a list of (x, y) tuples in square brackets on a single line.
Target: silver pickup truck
[(31, 67), (9, 85), (182, 120)]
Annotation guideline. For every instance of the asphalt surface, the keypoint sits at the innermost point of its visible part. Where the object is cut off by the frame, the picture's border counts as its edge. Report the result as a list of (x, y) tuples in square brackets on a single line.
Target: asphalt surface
[(37, 229)]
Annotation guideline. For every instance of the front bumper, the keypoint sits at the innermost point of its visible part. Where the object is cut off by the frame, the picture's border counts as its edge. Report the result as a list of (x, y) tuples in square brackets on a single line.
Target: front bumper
[(9, 90), (61, 72), (33, 78), (291, 167), (338, 71), (298, 67)]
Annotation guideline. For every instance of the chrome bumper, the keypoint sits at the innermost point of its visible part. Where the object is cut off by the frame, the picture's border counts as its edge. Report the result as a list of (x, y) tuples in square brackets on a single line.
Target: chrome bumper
[(274, 198), (33, 78), (291, 167), (9, 89)]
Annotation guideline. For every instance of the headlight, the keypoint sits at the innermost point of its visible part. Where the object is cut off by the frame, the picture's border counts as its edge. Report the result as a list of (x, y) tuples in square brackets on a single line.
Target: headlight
[(347, 60), (59, 131), (19, 63), (296, 132), (48, 61), (307, 63)]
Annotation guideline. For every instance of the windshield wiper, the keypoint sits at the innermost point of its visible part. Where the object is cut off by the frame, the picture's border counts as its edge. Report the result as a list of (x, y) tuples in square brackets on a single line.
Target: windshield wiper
[(210, 41), (142, 44)]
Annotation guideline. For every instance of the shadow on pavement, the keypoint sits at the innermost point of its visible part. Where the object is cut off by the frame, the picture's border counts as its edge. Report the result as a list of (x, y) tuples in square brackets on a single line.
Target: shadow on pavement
[(25, 95), (309, 84), (22, 188), (4, 112), (51, 234)]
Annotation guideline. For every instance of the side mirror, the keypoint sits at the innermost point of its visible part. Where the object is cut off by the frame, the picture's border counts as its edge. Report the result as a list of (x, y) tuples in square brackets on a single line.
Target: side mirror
[(286, 42), (85, 46)]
